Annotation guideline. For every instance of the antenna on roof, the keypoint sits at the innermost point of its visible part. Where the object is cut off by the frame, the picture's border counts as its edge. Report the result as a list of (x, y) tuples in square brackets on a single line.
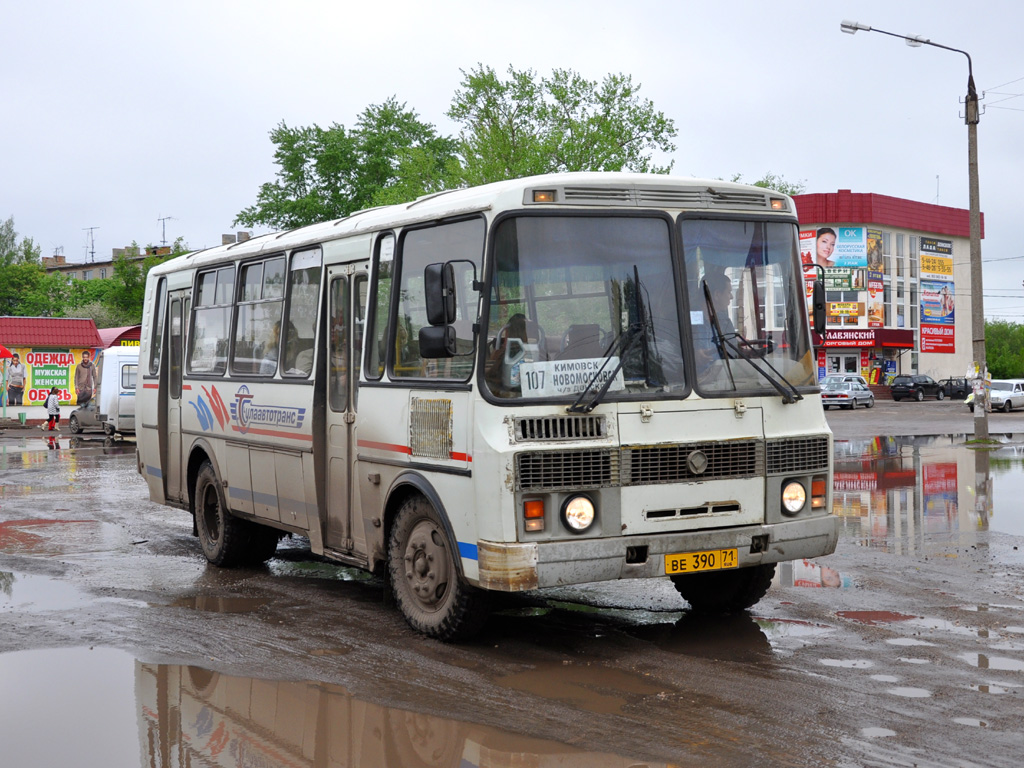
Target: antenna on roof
[(91, 247), (163, 222)]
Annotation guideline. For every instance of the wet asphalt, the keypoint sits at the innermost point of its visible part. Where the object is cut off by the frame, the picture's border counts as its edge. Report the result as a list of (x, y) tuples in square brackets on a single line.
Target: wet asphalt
[(904, 647)]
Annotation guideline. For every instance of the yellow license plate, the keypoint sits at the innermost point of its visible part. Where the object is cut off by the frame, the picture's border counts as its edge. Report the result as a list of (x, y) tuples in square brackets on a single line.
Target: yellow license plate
[(694, 562)]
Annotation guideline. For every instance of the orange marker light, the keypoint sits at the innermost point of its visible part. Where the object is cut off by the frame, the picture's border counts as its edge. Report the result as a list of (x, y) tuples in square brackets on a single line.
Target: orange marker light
[(543, 195)]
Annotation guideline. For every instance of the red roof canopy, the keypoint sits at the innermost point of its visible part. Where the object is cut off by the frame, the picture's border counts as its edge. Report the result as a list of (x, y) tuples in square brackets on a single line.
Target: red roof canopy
[(846, 207), (60, 332), (112, 337)]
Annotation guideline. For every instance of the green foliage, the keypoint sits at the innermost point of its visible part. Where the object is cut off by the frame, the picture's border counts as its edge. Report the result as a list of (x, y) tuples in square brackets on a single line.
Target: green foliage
[(12, 251), (18, 281), (527, 125), (328, 173), (774, 181), (1004, 349)]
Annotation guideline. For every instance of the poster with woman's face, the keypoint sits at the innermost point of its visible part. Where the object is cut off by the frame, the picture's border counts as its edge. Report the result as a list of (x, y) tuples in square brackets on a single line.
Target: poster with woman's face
[(851, 247)]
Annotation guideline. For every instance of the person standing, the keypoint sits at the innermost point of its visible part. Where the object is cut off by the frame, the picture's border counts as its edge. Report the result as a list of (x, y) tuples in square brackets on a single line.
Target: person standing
[(52, 409), (85, 379), (16, 375)]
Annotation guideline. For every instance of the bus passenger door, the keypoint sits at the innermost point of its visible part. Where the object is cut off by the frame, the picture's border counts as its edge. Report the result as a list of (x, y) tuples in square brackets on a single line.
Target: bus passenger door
[(347, 298), (176, 339)]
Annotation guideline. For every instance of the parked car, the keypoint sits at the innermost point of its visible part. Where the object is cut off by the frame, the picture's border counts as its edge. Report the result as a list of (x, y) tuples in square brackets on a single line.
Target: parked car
[(917, 387), (843, 377), (846, 394), (958, 388), (1006, 394)]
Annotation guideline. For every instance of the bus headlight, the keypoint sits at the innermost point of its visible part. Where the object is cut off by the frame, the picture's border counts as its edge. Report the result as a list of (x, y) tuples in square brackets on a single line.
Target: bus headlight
[(794, 496), (578, 513)]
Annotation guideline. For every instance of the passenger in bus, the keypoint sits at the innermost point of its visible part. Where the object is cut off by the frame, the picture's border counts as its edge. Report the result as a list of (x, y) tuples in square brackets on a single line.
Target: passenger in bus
[(269, 365), (709, 346)]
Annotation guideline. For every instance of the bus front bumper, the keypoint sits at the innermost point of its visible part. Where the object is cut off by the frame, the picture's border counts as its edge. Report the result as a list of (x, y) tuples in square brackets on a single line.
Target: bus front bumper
[(532, 565)]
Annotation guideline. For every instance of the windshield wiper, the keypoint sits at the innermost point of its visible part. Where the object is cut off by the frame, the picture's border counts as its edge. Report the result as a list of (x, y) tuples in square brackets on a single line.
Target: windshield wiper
[(727, 344), (623, 342)]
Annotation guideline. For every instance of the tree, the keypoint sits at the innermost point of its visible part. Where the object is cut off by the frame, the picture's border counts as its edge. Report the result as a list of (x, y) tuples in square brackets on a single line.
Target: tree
[(18, 281), (773, 181), (527, 125), (1004, 349), (328, 173), (13, 252)]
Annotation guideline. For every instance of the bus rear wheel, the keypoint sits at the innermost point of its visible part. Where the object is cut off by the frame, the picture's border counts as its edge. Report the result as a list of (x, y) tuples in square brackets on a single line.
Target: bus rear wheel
[(227, 541), (425, 578), (725, 591)]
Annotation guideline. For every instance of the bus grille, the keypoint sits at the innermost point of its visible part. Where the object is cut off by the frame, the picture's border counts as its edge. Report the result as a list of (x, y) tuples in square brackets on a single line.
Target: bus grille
[(552, 470), (543, 428), (649, 465), (430, 428), (801, 455)]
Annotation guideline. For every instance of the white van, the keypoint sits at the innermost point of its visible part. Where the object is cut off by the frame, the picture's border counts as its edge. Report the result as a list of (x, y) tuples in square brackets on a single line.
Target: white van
[(112, 407)]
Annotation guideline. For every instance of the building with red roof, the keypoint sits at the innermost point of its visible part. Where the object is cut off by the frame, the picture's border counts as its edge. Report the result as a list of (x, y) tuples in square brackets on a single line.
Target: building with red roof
[(51, 350), (897, 275)]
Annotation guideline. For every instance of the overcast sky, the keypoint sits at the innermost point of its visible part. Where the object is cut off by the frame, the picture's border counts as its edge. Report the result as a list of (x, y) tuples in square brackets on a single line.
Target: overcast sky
[(119, 113)]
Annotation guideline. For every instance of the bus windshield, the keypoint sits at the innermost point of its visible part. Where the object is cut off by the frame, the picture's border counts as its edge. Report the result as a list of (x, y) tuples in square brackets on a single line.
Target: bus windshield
[(748, 312), (579, 301)]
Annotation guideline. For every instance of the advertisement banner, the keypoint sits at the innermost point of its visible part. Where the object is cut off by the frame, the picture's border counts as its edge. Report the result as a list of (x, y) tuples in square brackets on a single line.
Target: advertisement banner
[(937, 302), (851, 248), (47, 368), (875, 261), (876, 300), (938, 338), (846, 308), (936, 258)]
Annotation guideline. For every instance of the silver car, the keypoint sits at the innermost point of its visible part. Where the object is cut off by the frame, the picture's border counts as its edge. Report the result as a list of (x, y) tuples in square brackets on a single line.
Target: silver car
[(1006, 394), (846, 394)]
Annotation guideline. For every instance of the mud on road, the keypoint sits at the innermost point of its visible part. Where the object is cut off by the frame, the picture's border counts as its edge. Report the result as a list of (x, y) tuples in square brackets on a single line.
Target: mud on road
[(904, 647)]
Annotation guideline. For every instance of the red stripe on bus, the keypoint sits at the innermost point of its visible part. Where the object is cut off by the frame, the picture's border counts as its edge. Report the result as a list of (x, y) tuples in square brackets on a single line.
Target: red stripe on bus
[(406, 449), (385, 446), (151, 386), (273, 433), (187, 387)]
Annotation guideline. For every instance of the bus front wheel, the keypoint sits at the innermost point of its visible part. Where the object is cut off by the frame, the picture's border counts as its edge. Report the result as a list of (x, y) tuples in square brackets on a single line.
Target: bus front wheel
[(226, 540), (425, 578), (725, 591)]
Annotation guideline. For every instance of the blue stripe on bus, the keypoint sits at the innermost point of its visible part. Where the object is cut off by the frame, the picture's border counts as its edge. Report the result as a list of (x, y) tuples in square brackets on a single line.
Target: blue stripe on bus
[(468, 551), (154, 471)]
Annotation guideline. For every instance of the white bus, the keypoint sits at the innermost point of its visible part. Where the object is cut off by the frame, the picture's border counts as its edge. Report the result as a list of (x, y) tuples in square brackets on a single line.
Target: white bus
[(548, 381)]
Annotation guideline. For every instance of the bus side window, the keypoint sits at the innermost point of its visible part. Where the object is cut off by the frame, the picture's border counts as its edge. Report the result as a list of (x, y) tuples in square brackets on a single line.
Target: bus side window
[(376, 351), (338, 349), (156, 348), (208, 344), (461, 242), (359, 328), (303, 300), (257, 329)]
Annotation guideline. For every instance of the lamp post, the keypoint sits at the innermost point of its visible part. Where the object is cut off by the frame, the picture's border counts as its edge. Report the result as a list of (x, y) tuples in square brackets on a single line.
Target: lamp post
[(977, 304)]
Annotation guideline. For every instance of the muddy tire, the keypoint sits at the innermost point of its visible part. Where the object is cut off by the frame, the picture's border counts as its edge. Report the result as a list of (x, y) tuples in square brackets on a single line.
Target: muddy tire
[(725, 591), (74, 425), (227, 541), (425, 578)]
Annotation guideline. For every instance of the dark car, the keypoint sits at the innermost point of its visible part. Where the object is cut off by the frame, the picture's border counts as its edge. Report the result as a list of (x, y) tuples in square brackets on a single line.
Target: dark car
[(958, 388), (916, 387)]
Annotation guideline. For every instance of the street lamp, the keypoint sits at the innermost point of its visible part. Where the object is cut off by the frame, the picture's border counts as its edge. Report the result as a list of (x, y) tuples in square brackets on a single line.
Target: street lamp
[(977, 304)]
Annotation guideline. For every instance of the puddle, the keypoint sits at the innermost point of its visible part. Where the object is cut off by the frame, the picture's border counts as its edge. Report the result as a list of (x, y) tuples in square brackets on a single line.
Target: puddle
[(848, 663), (38, 593), (221, 604), (907, 641), (586, 687), (910, 693), (971, 721), (885, 678), (110, 709), (984, 661), (55, 538), (874, 617), (876, 733)]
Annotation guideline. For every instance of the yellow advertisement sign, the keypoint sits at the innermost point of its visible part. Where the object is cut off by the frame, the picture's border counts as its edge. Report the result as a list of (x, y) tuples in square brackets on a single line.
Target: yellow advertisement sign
[(846, 308)]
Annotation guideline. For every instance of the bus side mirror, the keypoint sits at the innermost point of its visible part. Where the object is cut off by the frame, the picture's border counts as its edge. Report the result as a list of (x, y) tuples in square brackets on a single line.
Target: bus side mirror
[(439, 293), (437, 341), (818, 307)]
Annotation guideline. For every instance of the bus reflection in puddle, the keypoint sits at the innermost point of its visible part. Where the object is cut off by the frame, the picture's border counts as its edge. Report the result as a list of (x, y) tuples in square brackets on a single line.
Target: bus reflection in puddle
[(192, 716)]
